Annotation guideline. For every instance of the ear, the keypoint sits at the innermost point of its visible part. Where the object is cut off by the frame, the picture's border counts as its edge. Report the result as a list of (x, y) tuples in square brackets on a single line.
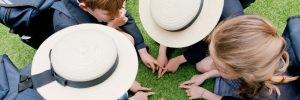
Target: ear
[(84, 7)]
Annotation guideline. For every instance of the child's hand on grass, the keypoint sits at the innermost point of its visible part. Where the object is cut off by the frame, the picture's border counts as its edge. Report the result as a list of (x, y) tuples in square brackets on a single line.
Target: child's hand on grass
[(196, 80), (148, 60), (141, 95), (172, 65), (136, 86), (162, 58), (162, 61), (194, 92)]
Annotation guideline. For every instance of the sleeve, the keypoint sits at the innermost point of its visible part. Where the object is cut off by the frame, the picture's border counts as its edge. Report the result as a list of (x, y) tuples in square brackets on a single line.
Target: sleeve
[(131, 28), (230, 98), (231, 8), (291, 35), (61, 21)]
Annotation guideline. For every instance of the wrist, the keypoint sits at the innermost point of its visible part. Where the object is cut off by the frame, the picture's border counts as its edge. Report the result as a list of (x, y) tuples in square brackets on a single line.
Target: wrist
[(162, 49), (201, 96), (210, 96), (142, 51)]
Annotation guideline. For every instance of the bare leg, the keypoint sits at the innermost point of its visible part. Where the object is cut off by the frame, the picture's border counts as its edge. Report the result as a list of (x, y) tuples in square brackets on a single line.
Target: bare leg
[(204, 65)]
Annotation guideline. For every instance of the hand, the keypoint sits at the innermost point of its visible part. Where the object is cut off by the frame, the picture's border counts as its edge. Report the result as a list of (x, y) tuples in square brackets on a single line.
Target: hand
[(196, 80), (162, 61), (148, 60), (162, 58), (137, 87), (195, 92), (122, 12), (173, 65), (141, 96), (118, 21)]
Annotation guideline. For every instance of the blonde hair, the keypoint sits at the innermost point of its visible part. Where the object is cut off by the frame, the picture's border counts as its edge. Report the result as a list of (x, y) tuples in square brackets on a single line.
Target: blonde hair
[(112, 6), (250, 47)]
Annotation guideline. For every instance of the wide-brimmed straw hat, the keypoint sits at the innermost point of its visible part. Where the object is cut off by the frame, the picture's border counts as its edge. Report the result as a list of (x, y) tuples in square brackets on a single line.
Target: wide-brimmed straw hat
[(179, 23), (87, 61)]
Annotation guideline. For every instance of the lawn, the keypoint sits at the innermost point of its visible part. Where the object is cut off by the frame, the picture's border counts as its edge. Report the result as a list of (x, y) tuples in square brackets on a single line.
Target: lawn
[(166, 87)]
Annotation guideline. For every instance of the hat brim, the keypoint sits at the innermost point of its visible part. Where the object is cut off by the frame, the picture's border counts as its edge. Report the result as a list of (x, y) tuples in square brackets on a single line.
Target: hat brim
[(112, 88), (203, 25)]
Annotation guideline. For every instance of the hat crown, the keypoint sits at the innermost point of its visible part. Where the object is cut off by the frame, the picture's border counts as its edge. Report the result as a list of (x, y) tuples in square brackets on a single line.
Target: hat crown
[(174, 14), (83, 55)]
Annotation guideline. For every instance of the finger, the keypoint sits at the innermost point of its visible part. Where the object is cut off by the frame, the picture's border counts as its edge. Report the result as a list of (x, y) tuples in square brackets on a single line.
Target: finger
[(159, 72), (187, 82), (126, 19), (192, 97), (156, 64), (150, 93), (148, 65), (187, 92), (152, 67), (124, 12), (145, 89), (162, 73), (159, 65), (185, 86)]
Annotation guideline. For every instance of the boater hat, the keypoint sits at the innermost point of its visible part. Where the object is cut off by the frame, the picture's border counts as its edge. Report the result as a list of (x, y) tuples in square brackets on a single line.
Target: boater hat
[(179, 23), (87, 61)]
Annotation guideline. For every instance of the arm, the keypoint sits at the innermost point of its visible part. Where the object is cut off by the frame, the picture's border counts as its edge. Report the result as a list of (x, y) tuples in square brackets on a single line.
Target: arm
[(211, 74), (210, 96), (131, 28), (162, 58), (199, 79), (61, 21), (196, 92)]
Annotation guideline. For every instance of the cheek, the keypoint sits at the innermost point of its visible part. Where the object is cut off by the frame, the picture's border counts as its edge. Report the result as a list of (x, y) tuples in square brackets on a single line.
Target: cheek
[(104, 18)]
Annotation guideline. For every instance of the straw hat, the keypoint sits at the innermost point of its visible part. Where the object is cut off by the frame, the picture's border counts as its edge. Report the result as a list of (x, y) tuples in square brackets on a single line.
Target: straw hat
[(179, 23), (99, 62)]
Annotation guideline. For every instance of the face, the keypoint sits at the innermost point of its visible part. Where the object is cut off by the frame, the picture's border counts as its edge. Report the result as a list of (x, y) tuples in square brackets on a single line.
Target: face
[(99, 14)]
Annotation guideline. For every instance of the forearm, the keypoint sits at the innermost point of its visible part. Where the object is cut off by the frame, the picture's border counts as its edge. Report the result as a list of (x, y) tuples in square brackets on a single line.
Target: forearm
[(131, 28), (211, 74), (210, 96), (162, 50), (142, 51)]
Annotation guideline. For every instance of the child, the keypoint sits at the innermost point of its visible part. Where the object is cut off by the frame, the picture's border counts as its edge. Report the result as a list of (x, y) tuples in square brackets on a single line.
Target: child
[(231, 8), (108, 12), (248, 53)]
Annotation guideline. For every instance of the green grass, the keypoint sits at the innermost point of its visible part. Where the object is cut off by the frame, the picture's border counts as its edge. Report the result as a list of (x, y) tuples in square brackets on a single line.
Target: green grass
[(167, 87)]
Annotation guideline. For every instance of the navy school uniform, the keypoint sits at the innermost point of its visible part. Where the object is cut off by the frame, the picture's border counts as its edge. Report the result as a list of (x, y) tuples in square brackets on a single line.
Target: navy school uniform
[(75, 15)]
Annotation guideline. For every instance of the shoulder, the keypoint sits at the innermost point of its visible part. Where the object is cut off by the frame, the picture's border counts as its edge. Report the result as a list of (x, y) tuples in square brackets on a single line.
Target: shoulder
[(60, 21)]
